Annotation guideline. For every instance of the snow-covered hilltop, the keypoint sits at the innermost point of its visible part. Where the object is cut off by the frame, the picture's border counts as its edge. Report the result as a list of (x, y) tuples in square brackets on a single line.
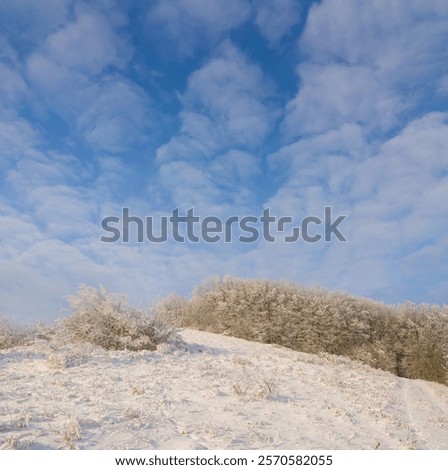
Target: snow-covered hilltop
[(211, 391)]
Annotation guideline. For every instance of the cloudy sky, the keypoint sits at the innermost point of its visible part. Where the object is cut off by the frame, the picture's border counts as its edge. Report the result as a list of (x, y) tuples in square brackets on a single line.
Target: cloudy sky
[(227, 107)]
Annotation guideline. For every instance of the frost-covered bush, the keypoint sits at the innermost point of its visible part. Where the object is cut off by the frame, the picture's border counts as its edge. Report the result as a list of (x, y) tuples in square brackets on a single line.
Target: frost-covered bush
[(408, 340), (171, 310), (425, 351), (12, 335), (310, 320), (107, 320)]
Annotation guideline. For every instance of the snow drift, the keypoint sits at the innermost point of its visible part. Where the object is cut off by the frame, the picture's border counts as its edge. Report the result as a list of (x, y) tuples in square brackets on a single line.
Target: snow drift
[(209, 391)]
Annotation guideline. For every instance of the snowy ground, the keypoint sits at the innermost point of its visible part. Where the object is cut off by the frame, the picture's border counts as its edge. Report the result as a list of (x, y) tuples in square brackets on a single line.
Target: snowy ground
[(212, 392)]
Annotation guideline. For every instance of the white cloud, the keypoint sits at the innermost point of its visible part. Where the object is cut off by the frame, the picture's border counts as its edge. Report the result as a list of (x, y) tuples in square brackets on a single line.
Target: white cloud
[(187, 147), (367, 62), (16, 231), (35, 169), (224, 108), (394, 194), (12, 85), (109, 112), (232, 92), (236, 165), (52, 80), (222, 185), (433, 259), (276, 18), (193, 24), (16, 138), (348, 140), (190, 185), (37, 276), (113, 175), (424, 142), (117, 118), (408, 163), (360, 72), (87, 45), (34, 20), (37, 271), (334, 94), (401, 39), (28, 286), (65, 212), (362, 65)]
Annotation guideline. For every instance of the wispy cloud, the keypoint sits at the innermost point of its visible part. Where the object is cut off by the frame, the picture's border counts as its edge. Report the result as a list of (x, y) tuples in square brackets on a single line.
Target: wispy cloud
[(88, 44), (334, 94), (34, 20), (367, 63), (275, 19), (118, 118), (194, 24), (227, 107), (224, 108)]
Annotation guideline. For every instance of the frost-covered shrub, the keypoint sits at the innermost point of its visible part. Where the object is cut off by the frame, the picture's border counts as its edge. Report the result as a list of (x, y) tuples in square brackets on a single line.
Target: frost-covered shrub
[(425, 352), (107, 320), (12, 335), (309, 320), (171, 310), (408, 340)]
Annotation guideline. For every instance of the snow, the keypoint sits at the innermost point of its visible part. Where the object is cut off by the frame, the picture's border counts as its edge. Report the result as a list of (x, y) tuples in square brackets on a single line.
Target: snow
[(208, 391)]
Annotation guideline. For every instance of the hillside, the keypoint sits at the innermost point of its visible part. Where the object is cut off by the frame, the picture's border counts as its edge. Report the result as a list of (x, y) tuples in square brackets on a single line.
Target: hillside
[(208, 391)]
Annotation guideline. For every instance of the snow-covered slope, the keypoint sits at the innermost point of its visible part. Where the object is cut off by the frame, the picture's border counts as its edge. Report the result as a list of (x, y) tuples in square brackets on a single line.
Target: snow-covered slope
[(211, 392)]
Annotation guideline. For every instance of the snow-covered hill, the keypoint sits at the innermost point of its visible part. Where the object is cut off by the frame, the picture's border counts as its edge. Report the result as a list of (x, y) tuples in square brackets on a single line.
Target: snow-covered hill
[(211, 392)]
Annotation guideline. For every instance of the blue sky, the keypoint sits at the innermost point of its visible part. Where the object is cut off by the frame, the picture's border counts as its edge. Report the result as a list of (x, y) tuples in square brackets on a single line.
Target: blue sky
[(228, 107)]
